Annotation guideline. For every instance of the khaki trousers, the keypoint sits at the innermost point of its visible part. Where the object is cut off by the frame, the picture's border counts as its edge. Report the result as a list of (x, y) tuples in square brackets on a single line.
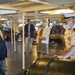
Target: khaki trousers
[(28, 44)]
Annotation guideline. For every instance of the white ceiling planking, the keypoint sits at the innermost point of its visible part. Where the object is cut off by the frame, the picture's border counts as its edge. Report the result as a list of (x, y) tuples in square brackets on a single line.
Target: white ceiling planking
[(37, 5), (60, 2), (32, 3), (29, 5)]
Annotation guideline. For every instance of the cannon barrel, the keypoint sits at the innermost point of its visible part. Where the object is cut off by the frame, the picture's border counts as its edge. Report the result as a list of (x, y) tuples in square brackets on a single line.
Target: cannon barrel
[(51, 66)]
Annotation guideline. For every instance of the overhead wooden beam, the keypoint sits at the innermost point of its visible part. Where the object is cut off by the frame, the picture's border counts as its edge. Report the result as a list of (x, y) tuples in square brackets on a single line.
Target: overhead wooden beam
[(20, 3), (11, 16), (36, 8), (7, 7)]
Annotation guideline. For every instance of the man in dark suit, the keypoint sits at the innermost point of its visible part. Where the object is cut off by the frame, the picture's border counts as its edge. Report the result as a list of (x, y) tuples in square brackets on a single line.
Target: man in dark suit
[(29, 35)]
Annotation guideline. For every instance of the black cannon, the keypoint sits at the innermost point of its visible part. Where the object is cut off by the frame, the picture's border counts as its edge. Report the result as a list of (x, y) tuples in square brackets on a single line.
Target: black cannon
[(51, 66)]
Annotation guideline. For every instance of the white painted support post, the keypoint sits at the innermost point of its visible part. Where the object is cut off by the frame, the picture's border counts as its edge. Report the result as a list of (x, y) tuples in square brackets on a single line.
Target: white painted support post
[(23, 45), (11, 32), (14, 38)]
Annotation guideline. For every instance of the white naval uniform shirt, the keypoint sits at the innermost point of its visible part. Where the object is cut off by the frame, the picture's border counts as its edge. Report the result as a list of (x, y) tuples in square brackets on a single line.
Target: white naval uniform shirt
[(67, 38), (70, 38), (1, 34)]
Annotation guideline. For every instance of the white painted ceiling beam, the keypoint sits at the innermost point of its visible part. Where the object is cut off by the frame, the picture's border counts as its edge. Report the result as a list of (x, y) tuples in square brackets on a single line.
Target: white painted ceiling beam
[(12, 16), (37, 8), (20, 3), (40, 1), (8, 7)]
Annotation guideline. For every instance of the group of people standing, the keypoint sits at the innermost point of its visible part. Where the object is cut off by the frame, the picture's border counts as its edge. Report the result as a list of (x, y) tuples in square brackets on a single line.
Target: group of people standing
[(42, 36), (42, 41)]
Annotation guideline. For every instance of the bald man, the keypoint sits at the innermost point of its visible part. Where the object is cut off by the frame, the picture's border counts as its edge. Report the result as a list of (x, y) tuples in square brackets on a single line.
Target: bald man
[(43, 38)]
